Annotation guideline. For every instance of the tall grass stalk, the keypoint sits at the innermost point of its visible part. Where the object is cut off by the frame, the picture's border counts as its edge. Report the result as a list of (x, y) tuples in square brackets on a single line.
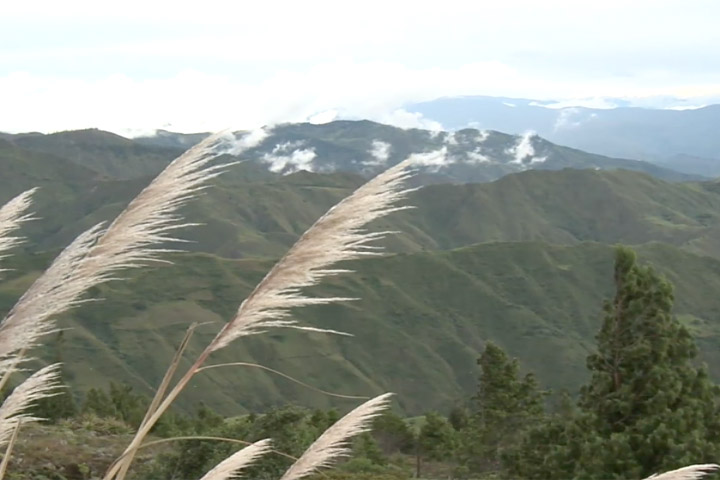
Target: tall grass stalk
[(12, 216), (94, 257), (232, 466), (333, 443), (692, 472), (40, 384), (338, 235), (98, 254)]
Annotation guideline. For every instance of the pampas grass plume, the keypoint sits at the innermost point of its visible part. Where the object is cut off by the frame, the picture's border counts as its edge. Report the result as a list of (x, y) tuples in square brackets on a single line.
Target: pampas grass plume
[(232, 466), (333, 443)]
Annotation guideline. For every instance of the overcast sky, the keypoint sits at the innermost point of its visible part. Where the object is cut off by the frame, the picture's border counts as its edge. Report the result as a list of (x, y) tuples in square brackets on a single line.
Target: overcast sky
[(206, 65)]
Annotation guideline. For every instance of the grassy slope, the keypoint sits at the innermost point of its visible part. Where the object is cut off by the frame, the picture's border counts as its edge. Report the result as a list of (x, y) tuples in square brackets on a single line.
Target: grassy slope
[(418, 328), (251, 213), (567, 206), (104, 152)]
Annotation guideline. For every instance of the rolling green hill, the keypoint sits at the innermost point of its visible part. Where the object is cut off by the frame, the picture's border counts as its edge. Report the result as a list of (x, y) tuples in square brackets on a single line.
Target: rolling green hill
[(524, 260), (104, 152), (418, 327), (253, 213), (567, 207)]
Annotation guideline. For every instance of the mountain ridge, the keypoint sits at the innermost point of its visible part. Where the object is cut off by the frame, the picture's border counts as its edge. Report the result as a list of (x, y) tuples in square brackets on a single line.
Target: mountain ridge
[(662, 136), (360, 147)]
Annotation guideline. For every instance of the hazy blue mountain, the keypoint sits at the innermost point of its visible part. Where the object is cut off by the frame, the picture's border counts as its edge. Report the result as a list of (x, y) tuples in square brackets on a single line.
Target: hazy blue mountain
[(665, 136)]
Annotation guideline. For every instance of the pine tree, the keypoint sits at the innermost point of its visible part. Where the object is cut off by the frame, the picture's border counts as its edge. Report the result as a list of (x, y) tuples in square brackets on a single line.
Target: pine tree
[(393, 434), (98, 402), (648, 403), (647, 407), (437, 438), (62, 404), (505, 406)]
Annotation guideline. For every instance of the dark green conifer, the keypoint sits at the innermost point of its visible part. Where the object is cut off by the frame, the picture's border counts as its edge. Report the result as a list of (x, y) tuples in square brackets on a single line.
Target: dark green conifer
[(504, 406), (647, 407)]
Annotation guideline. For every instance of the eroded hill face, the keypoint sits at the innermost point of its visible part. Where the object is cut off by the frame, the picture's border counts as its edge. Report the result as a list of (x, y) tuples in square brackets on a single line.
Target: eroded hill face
[(524, 260)]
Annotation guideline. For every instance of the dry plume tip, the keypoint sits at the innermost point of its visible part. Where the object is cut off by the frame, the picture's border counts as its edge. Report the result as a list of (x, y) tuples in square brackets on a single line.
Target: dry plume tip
[(12, 215), (337, 236), (232, 466), (97, 254), (333, 443), (691, 472), (41, 384)]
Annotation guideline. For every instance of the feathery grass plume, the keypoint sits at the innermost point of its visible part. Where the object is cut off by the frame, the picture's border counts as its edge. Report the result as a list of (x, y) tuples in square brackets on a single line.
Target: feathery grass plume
[(333, 443), (692, 472), (41, 384), (338, 235), (56, 290), (12, 215), (232, 466), (97, 254)]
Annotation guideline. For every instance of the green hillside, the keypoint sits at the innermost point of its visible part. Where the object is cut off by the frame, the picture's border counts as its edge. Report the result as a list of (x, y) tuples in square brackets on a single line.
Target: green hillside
[(524, 260), (418, 327), (252, 213), (567, 207), (104, 152)]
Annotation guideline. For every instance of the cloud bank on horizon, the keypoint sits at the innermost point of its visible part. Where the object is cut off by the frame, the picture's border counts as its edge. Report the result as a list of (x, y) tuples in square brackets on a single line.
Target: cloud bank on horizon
[(174, 66)]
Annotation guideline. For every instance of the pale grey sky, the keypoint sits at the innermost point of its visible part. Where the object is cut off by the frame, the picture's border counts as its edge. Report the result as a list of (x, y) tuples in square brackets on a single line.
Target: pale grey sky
[(206, 65)]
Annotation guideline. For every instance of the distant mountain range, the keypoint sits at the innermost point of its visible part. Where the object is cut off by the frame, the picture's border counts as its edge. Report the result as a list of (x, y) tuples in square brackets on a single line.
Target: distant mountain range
[(511, 240), (685, 140), (360, 147)]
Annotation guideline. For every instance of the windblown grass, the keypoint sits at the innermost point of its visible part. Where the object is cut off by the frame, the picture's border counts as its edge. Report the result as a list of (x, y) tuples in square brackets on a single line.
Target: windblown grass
[(131, 241), (12, 216), (338, 235), (232, 466), (692, 472), (333, 443)]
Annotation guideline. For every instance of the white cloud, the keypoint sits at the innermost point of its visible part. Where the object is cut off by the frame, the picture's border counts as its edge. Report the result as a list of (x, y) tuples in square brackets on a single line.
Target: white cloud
[(380, 152), (323, 117), (523, 150), (592, 102), (248, 140), (404, 119), (193, 101), (433, 160), (568, 118), (450, 139), (239, 65), (536, 160), (477, 157), (281, 159), (470, 155), (685, 107)]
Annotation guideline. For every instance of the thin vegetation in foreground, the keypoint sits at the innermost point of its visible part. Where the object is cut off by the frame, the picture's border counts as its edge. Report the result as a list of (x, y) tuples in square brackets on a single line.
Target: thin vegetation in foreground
[(133, 240)]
